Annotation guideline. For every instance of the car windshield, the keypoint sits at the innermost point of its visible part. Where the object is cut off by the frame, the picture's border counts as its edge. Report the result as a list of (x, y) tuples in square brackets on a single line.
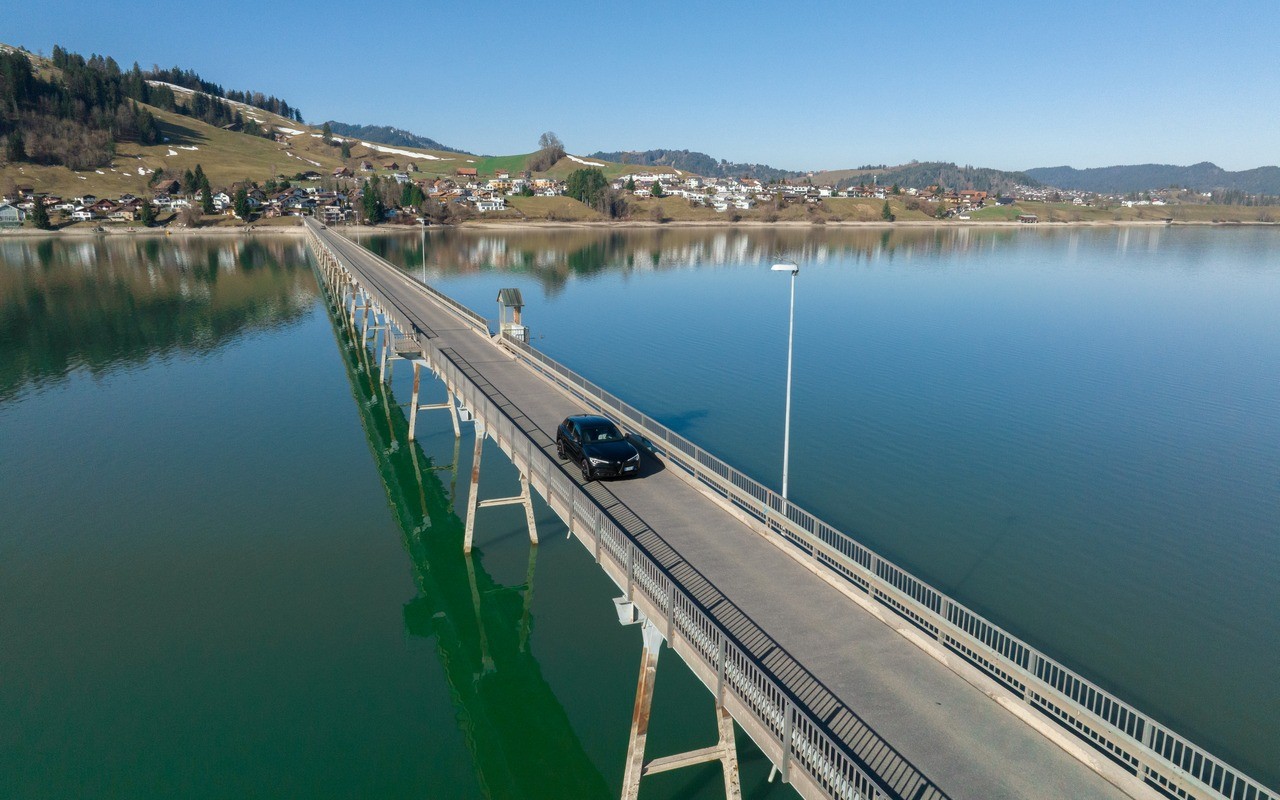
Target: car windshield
[(601, 432)]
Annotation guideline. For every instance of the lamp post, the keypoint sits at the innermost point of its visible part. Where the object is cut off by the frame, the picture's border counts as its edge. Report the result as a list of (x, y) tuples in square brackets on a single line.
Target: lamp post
[(791, 330)]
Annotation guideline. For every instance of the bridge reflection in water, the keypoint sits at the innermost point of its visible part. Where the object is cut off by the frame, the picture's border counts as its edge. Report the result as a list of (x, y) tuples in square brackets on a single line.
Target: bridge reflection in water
[(519, 735)]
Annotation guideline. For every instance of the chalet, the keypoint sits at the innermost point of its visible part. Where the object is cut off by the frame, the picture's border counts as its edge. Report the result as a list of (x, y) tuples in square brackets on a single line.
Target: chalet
[(502, 175), (81, 215), (365, 166), (393, 166), (1028, 218), (309, 175), (400, 177), (168, 187), (467, 172), (10, 216), (101, 208), (342, 172)]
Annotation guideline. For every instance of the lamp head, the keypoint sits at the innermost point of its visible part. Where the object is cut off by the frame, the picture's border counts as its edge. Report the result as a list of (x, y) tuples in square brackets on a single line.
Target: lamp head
[(794, 269)]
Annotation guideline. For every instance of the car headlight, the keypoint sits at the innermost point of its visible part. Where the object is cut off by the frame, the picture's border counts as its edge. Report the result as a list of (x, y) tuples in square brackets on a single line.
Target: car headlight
[(636, 457), (597, 461)]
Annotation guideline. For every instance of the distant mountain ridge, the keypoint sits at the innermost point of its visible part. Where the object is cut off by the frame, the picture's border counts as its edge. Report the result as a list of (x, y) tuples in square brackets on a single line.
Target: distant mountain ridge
[(1202, 177), (396, 137), (695, 162)]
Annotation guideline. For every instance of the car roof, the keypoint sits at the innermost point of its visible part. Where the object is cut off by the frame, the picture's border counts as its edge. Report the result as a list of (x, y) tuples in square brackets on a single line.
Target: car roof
[(580, 418)]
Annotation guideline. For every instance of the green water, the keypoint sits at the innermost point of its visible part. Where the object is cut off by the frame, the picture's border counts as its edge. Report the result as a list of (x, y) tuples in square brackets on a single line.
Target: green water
[(225, 573)]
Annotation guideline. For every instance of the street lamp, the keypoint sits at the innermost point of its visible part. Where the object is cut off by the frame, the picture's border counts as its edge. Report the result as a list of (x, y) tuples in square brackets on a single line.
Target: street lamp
[(791, 330)]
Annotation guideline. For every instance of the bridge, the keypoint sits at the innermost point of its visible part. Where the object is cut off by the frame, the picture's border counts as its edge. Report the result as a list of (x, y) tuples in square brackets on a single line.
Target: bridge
[(855, 678)]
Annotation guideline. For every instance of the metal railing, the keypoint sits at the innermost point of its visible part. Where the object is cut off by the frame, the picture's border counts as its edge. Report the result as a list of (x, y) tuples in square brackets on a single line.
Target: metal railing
[(1141, 745)]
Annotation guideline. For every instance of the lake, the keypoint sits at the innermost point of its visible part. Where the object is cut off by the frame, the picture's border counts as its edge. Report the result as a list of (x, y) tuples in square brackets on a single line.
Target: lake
[(225, 572)]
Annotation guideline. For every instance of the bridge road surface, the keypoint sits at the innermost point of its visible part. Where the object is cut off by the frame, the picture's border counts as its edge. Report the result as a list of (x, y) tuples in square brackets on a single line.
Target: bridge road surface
[(920, 727)]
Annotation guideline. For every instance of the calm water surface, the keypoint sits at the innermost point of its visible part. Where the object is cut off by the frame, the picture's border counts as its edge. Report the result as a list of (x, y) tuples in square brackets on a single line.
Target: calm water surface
[(1075, 432), (224, 572)]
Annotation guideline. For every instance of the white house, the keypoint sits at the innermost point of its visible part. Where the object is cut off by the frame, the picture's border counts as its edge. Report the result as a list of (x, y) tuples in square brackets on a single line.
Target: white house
[(491, 204), (10, 216)]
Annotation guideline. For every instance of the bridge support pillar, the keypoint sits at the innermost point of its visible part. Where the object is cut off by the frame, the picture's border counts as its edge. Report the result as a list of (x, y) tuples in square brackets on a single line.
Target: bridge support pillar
[(415, 407), (525, 498), (725, 750)]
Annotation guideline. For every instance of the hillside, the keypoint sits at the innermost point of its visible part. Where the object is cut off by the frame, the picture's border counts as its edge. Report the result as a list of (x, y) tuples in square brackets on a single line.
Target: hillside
[(929, 173), (1202, 177), (696, 163), (396, 137)]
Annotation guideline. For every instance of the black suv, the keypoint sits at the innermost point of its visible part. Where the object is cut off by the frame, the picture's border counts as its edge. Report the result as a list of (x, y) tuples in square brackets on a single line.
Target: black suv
[(598, 447)]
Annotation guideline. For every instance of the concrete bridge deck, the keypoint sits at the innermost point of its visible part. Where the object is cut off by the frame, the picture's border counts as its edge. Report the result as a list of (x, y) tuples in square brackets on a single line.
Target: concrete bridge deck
[(914, 722)]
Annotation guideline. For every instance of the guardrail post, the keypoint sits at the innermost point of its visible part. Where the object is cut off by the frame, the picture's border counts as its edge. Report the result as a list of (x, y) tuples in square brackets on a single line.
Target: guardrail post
[(720, 668), (788, 726), (671, 611), (631, 551)]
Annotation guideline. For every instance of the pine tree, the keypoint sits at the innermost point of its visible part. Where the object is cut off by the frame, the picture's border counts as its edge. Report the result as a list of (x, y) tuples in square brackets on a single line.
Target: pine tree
[(886, 213), (242, 204), (206, 196), (371, 201), (16, 149), (631, 184), (40, 216), (326, 133), (148, 213), (657, 189), (346, 149)]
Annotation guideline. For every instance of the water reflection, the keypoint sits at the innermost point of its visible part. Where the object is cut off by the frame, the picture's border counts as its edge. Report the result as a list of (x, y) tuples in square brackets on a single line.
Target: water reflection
[(553, 256), (522, 743), (103, 302)]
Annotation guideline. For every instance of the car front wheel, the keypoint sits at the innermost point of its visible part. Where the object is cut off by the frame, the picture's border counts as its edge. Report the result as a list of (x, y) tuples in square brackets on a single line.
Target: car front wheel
[(586, 470)]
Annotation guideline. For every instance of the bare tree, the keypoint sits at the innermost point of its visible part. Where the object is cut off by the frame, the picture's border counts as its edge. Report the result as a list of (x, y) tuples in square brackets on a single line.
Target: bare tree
[(551, 150)]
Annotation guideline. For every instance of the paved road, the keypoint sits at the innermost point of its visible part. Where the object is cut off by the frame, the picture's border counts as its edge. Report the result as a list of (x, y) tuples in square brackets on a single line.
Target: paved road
[(922, 728)]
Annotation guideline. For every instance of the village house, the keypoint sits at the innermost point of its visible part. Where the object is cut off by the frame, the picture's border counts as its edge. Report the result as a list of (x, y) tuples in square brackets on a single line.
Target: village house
[(10, 216), (490, 204)]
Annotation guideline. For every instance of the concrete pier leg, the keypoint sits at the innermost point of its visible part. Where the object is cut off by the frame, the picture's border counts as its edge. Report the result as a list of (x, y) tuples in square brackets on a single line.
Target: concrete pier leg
[(728, 755), (453, 412), (526, 499), (641, 711), (474, 497), (413, 402)]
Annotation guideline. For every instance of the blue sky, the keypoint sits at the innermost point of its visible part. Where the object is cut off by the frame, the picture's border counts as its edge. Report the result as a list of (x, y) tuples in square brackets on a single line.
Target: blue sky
[(813, 85)]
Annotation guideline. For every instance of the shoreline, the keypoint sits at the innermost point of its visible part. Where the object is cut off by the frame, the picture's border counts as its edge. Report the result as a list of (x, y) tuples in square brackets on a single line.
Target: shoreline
[(524, 225)]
